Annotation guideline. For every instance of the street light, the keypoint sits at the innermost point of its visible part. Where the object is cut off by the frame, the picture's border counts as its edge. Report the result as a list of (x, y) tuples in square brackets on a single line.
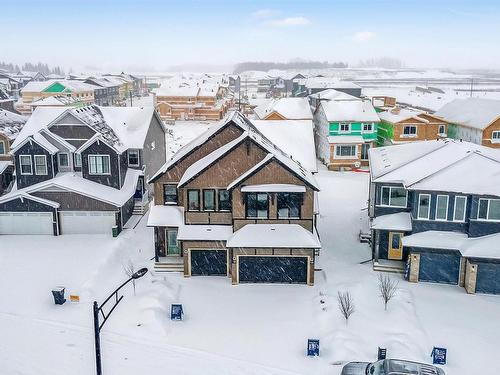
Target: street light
[(98, 309)]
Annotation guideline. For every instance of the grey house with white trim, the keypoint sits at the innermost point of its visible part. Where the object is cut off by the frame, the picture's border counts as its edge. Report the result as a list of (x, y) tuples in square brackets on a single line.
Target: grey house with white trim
[(82, 170)]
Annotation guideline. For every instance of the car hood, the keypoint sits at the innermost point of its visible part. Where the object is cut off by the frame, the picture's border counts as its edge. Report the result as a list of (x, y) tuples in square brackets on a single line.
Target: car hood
[(355, 368)]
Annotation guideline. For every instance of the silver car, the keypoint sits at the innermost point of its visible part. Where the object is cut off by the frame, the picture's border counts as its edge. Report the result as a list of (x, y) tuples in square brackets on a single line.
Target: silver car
[(390, 367)]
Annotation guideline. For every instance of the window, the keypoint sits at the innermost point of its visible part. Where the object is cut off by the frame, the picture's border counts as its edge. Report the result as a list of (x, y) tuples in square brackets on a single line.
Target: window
[(364, 151), (25, 164), (289, 205), (345, 151), (442, 207), (63, 159), (224, 200), (99, 164), (133, 158), (495, 137), (257, 205), (2, 148), (344, 127), (442, 130), (169, 194), (424, 205), (40, 164), (193, 200), (367, 127), (78, 160), (396, 241), (393, 196), (410, 131), (459, 209), (209, 200), (489, 209)]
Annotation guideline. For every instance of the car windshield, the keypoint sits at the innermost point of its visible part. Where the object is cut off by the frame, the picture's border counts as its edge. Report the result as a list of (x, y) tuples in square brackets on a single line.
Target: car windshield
[(376, 368)]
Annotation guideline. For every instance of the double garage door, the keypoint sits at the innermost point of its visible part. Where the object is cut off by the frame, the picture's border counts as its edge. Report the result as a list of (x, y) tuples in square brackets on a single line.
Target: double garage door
[(87, 222), (440, 267), (26, 223)]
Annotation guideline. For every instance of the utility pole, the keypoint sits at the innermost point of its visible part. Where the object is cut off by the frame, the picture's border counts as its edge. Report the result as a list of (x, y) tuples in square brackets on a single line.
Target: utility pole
[(130, 95), (471, 84)]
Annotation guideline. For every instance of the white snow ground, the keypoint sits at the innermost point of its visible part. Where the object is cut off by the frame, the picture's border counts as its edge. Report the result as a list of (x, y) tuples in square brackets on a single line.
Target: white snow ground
[(245, 329)]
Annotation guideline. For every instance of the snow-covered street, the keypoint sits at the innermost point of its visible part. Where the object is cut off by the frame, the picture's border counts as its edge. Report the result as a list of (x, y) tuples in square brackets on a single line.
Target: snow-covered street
[(245, 329)]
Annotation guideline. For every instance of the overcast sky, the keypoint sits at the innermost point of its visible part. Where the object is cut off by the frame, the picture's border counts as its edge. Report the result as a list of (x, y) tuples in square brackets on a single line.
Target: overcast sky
[(153, 34)]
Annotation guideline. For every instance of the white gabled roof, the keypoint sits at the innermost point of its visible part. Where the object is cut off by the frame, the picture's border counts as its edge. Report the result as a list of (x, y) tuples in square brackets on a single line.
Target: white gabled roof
[(398, 114), (398, 221), (199, 232), (472, 112), (345, 139), (289, 108), (274, 188), (434, 239), (4, 164), (165, 216), (332, 94), (20, 194), (349, 110), (275, 236)]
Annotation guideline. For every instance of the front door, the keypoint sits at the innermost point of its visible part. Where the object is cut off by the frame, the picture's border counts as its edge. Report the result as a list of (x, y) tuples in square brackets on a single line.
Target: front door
[(395, 246), (139, 190), (171, 243)]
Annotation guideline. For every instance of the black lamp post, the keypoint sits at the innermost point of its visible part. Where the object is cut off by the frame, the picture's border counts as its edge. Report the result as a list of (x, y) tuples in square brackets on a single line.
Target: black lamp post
[(98, 309)]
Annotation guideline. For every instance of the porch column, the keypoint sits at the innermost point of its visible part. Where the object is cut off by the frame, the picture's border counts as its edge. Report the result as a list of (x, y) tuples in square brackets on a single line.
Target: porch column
[(377, 245)]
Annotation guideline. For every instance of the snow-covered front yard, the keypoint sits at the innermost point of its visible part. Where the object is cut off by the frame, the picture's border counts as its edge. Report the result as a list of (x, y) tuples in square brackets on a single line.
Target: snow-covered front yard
[(245, 329)]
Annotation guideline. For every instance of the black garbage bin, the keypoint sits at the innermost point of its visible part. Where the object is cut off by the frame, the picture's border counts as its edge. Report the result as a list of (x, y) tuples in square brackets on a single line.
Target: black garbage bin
[(58, 294)]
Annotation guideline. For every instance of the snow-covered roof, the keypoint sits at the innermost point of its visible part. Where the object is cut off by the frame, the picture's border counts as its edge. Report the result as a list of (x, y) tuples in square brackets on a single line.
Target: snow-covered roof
[(289, 108), (398, 114), (398, 221), (274, 188), (349, 110), (472, 112), (294, 136), (56, 101), (200, 232), (345, 139), (71, 85), (165, 216), (332, 94), (329, 83), (175, 91), (435, 240), (275, 236), (19, 194), (11, 123), (4, 164), (482, 247)]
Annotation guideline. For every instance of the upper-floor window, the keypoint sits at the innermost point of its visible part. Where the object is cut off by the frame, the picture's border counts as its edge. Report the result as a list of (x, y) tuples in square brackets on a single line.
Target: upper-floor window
[(224, 200), (63, 159), (289, 205), (393, 196), (489, 209), (208, 200), (459, 209), (410, 131), (442, 207), (257, 205), (170, 194), (25, 164), (346, 152), (133, 158), (193, 200), (2, 148), (495, 137), (442, 130), (344, 127), (40, 165), (78, 160), (99, 164), (424, 206), (367, 127)]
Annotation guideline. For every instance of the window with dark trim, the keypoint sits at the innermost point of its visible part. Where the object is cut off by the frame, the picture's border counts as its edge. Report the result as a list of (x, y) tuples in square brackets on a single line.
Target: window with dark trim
[(224, 200), (410, 131), (208, 200), (193, 200), (289, 205), (257, 205), (133, 158), (169, 194)]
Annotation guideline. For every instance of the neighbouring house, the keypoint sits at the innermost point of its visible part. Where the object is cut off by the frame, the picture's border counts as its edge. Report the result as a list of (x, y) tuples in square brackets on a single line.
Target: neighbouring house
[(10, 126), (435, 205), (57, 101), (34, 90), (231, 203), (284, 109), (313, 85), (474, 120), (346, 128), (10, 85), (398, 125), (6, 102), (107, 91), (82, 170)]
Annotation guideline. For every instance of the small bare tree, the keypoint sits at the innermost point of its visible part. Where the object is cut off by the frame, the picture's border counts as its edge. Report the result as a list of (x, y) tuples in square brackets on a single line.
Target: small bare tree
[(129, 271), (388, 288), (346, 304)]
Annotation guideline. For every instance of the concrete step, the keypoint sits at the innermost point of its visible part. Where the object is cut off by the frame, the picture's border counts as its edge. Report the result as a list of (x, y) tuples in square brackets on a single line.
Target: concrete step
[(389, 266), (169, 267)]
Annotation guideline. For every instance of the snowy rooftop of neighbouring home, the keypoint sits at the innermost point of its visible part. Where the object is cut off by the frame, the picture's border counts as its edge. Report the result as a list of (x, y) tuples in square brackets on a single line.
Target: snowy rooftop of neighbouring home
[(329, 83), (4, 164), (274, 188), (199, 232), (11, 123), (482, 247), (397, 221), (332, 94), (435, 240), (72, 85), (398, 114), (56, 101), (274, 235), (345, 139), (349, 110), (165, 216), (174, 91), (294, 136), (472, 112), (289, 108)]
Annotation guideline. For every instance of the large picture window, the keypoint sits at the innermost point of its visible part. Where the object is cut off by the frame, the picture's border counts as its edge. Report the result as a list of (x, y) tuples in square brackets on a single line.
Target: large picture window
[(40, 165), (346, 151), (424, 206), (99, 164), (193, 200), (459, 210), (489, 209), (289, 205), (224, 200), (209, 200), (393, 196), (170, 194), (442, 207), (410, 131), (25, 164), (257, 205)]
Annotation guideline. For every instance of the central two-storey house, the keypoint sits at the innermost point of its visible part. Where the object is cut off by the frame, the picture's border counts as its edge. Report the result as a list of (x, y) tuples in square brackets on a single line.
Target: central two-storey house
[(231, 203), (82, 170)]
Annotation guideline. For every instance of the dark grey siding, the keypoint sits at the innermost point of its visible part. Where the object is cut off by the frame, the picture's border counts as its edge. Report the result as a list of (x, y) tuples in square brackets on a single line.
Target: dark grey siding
[(123, 167), (127, 209), (100, 148), (389, 210), (154, 157), (27, 205), (32, 148), (75, 202), (73, 131), (383, 249)]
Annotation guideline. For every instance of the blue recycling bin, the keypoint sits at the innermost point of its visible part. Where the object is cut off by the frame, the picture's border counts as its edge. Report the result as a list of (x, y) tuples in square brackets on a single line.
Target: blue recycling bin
[(58, 294), (439, 356), (176, 312), (312, 348)]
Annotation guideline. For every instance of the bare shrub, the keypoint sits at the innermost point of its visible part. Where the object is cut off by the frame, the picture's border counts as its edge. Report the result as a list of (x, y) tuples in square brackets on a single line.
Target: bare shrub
[(346, 304), (388, 288), (129, 270)]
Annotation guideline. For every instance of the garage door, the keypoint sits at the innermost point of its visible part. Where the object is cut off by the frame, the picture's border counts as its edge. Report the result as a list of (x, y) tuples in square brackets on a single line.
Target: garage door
[(87, 222), (439, 267), (488, 278), (208, 262), (259, 269), (26, 223)]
